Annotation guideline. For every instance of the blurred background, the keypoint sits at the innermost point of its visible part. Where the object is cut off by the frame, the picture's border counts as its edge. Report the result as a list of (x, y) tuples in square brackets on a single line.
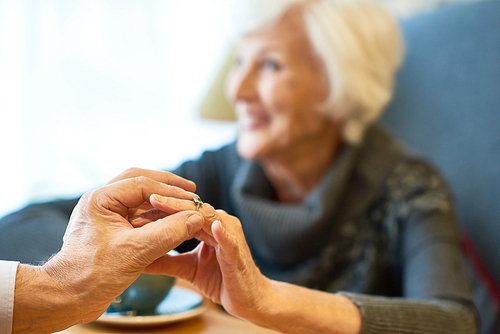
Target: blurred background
[(90, 88)]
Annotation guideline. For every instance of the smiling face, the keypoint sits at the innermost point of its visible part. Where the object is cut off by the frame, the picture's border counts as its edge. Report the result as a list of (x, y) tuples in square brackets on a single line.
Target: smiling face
[(277, 85)]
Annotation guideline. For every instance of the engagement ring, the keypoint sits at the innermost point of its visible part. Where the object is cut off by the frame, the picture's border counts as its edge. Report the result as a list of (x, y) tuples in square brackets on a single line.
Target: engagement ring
[(198, 202)]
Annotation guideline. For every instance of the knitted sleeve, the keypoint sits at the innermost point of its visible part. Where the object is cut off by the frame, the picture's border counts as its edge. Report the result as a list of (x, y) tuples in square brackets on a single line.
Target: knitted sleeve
[(34, 234), (383, 315), (437, 296)]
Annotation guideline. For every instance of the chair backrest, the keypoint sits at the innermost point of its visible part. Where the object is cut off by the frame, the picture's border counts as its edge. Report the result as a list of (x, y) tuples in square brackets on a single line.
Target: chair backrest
[(447, 106)]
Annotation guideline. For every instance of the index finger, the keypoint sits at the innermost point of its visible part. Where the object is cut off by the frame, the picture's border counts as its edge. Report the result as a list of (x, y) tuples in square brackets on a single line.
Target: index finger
[(157, 175), (172, 205)]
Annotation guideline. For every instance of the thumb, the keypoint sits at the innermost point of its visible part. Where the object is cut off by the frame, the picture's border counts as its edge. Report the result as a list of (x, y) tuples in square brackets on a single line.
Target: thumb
[(228, 248), (167, 233)]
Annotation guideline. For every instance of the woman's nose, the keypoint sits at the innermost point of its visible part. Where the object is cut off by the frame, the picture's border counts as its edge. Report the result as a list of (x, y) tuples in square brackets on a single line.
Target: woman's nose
[(242, 85)]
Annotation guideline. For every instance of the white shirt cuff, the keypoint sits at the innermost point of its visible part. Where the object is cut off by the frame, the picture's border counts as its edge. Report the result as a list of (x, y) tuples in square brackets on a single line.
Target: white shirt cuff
[(8, 271)]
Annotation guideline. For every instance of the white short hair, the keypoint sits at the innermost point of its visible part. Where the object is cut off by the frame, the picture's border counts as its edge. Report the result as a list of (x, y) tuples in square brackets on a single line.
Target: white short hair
[(361, 45)]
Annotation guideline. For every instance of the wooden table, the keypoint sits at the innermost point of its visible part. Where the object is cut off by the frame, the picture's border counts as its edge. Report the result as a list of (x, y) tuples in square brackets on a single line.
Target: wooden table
[(213, 320)]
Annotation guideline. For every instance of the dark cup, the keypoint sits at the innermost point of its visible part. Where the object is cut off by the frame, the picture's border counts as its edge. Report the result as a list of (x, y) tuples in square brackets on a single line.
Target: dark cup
[(143, 296)]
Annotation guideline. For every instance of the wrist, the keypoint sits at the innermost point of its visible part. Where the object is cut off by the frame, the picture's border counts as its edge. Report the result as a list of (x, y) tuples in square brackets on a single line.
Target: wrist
[(290, 308), (80, 285), (267, 305), (251, 303), (40, 304)]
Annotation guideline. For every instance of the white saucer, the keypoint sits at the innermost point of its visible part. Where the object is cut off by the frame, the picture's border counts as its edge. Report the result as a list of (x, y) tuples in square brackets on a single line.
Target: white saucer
[(180, 304)]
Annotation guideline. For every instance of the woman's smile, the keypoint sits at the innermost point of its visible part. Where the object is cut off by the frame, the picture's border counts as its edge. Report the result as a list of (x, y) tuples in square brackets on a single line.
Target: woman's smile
[(277, 83), (252, 119)]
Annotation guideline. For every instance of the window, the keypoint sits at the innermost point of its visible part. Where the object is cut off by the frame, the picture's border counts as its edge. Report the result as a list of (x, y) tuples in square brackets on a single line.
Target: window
[(90, 88)]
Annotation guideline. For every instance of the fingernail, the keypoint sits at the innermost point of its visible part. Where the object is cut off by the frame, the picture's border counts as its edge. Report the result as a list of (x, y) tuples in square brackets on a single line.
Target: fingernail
[(159, 199), (218, 222), (194, 223)]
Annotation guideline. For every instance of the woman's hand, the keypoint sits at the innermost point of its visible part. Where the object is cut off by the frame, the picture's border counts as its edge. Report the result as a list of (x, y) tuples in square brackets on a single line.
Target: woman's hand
[(222, 266)]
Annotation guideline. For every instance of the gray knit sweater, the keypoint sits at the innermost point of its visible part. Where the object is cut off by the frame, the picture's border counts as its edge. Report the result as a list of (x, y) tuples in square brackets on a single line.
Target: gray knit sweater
[(380, 229)]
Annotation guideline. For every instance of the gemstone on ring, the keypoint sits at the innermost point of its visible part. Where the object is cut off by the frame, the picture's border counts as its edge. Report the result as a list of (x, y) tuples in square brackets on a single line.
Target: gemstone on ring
[(198, 202)]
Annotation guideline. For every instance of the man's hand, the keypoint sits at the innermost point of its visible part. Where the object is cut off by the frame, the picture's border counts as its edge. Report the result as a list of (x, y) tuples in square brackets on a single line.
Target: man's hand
[(160, 176), (102, 254)]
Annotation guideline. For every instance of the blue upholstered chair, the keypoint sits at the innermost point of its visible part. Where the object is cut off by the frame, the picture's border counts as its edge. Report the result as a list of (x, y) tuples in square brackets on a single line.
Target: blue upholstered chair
[(447, 106)]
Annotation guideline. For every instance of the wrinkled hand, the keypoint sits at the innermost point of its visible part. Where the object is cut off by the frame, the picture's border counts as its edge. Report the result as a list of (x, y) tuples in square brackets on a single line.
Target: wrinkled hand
[(221, 266), (103, 253), (160, 176)]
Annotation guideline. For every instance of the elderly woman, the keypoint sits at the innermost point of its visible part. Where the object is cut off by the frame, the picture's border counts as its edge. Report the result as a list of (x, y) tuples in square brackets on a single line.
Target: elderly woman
[(327, 200), (339, 229)]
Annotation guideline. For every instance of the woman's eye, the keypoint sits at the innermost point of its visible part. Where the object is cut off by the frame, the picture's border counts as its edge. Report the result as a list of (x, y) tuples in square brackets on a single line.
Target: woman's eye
[(271, 65)]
